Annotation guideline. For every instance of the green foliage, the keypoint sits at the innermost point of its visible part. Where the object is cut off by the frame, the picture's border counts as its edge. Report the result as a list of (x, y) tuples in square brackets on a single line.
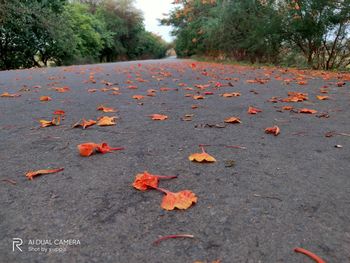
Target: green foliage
[(33, 33), (265, 31)]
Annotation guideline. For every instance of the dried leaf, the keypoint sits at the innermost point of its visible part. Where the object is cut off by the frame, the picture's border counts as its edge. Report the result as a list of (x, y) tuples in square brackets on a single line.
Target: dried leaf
[(106, 121), (232, 120), (229, 95), (84, 123), (158, 117), (322, 97), (252, 110), (8, 95), (146, 180), (202, 157), (180, 200), (307, 111), (106, 109), (275, 130), (138, 97), (45, 98), (31, 174), (54, 122), (86, 149)]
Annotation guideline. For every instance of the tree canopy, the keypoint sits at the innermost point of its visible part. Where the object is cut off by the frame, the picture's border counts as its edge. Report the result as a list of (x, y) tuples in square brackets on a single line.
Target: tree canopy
[(34, 33), (273, 31)]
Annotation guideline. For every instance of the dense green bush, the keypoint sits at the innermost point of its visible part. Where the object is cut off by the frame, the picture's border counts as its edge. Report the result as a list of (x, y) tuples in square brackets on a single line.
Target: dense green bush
[(34, 33)]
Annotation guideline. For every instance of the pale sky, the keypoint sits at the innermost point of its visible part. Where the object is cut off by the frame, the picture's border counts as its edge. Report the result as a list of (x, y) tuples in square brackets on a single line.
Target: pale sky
[(152, 10)]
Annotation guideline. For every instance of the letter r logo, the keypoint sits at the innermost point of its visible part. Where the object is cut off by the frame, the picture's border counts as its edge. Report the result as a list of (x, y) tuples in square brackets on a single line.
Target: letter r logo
[(17, 242)]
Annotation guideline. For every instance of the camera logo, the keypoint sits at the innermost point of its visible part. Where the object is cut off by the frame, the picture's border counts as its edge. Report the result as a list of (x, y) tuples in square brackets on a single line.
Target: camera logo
[(17, 242)]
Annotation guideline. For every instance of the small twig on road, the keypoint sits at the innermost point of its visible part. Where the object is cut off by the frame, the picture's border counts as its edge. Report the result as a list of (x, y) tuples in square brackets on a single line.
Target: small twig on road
[(9, 181), (171, 236), (268, 197)]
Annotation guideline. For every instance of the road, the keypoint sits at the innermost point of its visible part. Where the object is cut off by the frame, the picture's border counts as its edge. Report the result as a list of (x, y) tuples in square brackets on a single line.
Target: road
[(255, 204)]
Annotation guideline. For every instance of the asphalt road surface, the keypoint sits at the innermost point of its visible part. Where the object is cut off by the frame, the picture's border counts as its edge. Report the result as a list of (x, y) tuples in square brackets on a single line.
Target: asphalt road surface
[(255, 204)]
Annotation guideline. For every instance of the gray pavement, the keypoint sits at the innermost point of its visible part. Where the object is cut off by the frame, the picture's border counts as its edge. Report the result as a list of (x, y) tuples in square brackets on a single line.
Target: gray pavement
[(281, 192)]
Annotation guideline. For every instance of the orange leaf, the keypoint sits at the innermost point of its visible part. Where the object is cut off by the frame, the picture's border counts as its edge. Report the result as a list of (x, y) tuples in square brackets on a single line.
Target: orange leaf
[(181, 200), (252, 110), (63, 89), (138, 97), (308, 111), (198, 97), (322, 97), (202, 157), (45, 98), (146, 180), (31, 174), (54, 122), (287, 108), (229, 95), (105, 148), (106, 109), (106, 121), (158, 117), (8, 95), (275, 130), (85, 124), (59, 112), (86, 149), (233, 120)]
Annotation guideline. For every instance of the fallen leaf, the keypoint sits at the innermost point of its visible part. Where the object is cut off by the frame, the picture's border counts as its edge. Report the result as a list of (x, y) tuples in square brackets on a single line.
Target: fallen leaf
[(138, 97), (180, 200), (232, 120), (201, 157), (31, 174), (63, 89), (45, 98), (106, 109), (307, 111), (54, 122), (87, 149), (322, 97), (8, 95), (229, 95), (198, 97), (105, 148), (146, 180), (84, 123), (275, 130), (106, 121), (252, 110), (158, 117)]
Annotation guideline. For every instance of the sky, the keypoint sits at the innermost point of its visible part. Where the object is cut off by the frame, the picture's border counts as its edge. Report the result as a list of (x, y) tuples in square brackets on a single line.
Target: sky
[(152, 10)]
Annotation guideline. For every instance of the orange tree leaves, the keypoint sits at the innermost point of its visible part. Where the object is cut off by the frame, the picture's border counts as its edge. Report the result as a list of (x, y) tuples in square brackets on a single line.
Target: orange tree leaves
[(307, 111), (31, 174)]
